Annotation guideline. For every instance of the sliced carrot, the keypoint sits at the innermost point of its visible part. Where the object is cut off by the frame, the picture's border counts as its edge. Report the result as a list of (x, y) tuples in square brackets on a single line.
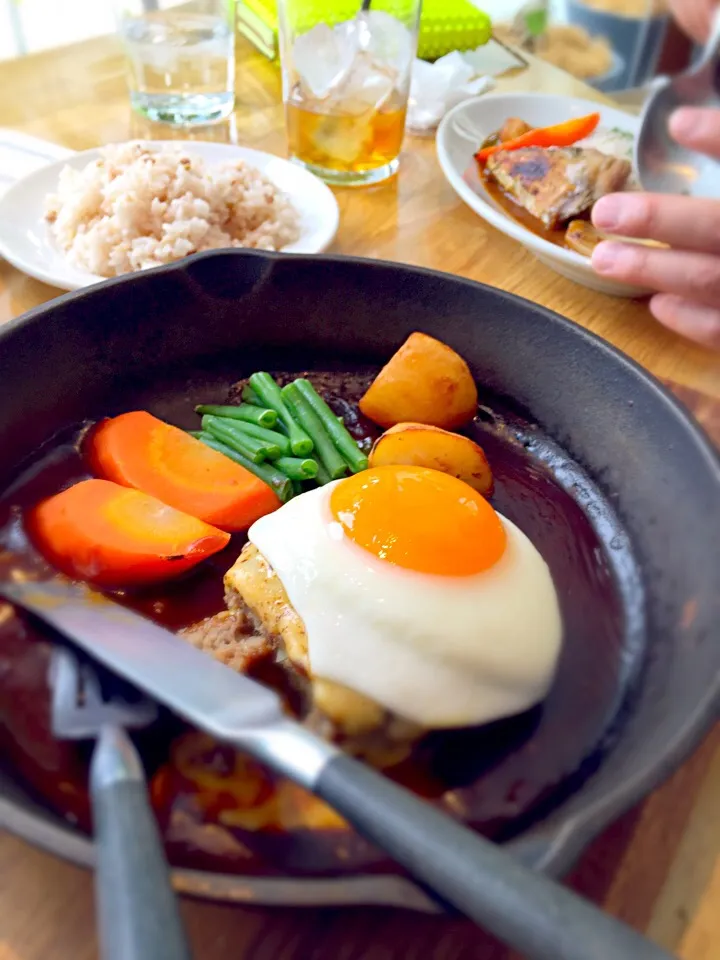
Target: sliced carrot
[(116, 537), (138, 450), (560, 135)]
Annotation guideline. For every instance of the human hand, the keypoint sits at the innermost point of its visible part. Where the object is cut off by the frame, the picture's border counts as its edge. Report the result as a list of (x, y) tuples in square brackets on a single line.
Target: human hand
[(687, 277), (694, 17)]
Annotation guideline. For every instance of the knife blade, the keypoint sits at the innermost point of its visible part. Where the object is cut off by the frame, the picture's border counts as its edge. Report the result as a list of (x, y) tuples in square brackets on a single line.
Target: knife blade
[(529, 912), (223, 703)]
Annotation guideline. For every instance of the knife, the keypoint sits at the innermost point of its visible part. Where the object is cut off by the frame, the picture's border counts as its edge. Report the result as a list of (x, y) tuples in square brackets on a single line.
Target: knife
[(529, 912)]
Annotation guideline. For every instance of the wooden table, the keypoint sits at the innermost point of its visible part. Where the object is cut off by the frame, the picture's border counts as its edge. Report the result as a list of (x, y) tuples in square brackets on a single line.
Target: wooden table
[(659, 866)]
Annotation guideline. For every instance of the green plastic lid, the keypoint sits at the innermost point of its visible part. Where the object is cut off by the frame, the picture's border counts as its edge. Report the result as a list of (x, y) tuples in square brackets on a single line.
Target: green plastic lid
[(445, 25)]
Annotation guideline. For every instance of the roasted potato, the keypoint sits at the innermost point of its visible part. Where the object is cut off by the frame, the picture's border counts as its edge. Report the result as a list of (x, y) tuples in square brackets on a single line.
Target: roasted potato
[(582, 237), (513, 128), (424, 382), (419, 445)]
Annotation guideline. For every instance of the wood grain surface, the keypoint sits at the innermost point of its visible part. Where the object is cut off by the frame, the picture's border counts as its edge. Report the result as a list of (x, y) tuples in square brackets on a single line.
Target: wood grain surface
[(659, 866)]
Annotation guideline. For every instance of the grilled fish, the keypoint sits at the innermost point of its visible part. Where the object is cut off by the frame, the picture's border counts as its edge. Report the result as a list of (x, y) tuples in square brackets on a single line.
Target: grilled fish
[(557, 184)]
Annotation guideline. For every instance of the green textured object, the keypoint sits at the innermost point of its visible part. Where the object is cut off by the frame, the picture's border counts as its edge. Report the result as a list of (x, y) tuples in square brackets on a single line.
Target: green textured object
[(445, 25)]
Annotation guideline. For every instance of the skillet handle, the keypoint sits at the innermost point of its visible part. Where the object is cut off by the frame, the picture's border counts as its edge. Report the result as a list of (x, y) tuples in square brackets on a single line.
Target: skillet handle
[(138, 914), (534, 915)]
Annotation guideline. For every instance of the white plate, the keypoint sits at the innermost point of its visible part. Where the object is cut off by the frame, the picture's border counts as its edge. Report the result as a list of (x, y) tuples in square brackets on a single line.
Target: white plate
[(466, 126), (26, 243), (21, 153)]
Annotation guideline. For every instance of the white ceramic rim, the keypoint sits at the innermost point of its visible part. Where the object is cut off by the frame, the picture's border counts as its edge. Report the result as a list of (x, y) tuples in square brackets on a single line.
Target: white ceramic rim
[(547, 250)]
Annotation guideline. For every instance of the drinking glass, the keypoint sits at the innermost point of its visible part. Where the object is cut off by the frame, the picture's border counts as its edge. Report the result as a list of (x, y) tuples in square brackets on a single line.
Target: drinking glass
[(181, 58), (346, 77)]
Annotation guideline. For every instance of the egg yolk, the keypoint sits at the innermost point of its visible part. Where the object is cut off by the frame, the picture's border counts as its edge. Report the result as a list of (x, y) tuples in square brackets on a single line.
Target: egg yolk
[(419, 519)]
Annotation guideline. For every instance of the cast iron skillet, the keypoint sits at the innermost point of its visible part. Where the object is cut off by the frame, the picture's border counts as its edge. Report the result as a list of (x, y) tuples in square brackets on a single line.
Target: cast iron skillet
[(627, 457)]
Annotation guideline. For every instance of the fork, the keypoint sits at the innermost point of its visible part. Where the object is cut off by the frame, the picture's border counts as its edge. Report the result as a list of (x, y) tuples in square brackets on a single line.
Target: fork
[(138, 916)]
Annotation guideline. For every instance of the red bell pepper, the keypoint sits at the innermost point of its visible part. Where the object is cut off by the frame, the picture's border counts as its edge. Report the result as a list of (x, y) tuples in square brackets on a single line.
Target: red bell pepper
[(561, 135)]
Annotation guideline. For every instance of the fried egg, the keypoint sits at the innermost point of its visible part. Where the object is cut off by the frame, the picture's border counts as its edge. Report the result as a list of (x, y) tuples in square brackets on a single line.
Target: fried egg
[(416, 593)]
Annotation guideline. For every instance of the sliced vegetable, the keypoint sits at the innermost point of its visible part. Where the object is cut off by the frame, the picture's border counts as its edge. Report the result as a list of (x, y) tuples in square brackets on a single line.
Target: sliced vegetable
[(419, 445), (560, 135), (271, 438), (297, 469), (138, 450), (513, 128), (231, 434), (345, 444), (276, 481), (261, 417), (424, 382), (269, 393), (324, 448), (116, 536), (582, 237)]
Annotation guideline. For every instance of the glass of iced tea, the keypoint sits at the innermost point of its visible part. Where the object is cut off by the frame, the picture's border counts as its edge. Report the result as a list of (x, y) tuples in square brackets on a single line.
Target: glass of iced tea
[(346, 77)]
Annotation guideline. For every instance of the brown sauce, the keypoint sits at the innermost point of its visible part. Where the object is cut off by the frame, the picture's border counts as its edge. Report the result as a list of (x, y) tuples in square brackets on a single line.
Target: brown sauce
[(220, 810), (521, 215), (479, 180)]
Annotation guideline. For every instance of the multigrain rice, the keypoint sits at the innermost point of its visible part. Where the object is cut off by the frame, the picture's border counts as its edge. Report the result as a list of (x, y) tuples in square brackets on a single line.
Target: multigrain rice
[(139, 206)]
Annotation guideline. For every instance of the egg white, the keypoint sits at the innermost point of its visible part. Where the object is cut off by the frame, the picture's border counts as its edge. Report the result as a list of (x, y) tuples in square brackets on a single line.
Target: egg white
[(440, 651)]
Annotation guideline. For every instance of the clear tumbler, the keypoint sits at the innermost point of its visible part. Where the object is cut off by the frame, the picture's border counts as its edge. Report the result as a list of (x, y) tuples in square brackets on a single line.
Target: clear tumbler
[(346, 78), (181, 58)]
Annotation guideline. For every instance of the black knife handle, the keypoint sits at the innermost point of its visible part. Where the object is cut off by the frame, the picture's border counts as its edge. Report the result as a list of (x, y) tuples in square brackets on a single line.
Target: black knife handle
[(532, 914), (138, 914)]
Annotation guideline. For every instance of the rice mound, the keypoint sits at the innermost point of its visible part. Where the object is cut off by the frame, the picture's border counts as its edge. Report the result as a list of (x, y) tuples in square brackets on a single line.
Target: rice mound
[(139, 206)]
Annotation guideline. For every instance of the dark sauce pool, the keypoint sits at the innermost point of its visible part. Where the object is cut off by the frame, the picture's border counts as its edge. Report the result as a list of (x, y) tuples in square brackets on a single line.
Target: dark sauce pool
[(218, 809)]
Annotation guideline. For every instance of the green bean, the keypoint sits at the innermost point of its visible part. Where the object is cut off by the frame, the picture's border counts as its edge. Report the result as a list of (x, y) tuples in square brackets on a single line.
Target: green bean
[(224, 431), (269, 393), (243, 411), (270, 444), (309, 421), (297, 468), (264, 471), (323, 476), (195, 433), (297, 487), (339, 435), (274, 441), (249, 396)]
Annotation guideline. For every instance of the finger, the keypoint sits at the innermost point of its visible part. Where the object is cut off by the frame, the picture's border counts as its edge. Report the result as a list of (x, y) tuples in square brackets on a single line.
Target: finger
[(694, 18), (698, 129), (693, 320), (695, 276), (692, 223)]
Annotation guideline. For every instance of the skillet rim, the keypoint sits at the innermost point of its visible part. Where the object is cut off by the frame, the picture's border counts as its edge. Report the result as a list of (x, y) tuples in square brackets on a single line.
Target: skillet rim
[(555, 846)]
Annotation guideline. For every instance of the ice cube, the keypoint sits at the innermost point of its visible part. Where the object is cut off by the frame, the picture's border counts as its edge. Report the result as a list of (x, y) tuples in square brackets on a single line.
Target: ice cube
[(324, 55), (366, 87), (344, 139), (388, 41)]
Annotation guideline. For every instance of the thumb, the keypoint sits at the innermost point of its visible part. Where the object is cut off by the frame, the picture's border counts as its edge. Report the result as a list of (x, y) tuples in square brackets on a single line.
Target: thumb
[(697, 128)]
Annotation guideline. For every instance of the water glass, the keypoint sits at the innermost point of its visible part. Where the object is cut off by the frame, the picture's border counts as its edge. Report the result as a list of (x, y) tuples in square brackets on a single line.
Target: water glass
[(181, 58), (346, 78)]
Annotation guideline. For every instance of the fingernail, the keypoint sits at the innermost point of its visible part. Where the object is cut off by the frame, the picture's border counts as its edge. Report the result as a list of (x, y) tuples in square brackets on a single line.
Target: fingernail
[(610, 257), (607, 214), (683, 122)]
